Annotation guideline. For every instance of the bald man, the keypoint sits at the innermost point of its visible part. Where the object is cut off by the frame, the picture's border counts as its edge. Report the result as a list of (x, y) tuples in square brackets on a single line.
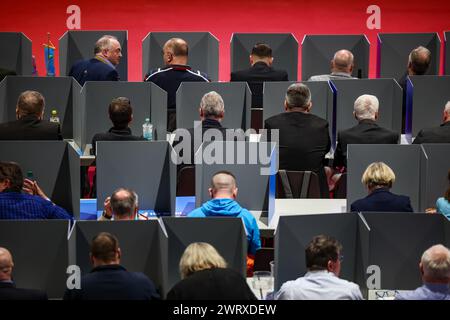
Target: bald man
[(435, 269), (122, 205), (8, 290), (223, 192), (341, 67), (176, 71), (440, 134)]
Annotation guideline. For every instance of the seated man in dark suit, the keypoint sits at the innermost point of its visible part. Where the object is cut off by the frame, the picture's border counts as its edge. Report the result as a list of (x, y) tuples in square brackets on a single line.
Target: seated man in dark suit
[(341, 67), (439, 134), (8, 290), (261, 70), (304, 139), (30, 124), (103, 66), (365, 132), (121, 114), (109, 280), (176, 71)]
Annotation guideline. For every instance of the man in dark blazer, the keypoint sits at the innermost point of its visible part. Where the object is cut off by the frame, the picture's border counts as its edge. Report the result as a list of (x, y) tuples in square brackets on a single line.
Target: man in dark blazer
[(261, 70), (8, 290), (30, 124), (365, 132), (304, 139), (439, 134), (103, 66), (109, 280)]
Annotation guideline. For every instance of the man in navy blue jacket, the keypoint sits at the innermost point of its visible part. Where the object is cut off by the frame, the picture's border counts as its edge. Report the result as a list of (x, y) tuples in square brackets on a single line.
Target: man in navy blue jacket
[(103, 66)]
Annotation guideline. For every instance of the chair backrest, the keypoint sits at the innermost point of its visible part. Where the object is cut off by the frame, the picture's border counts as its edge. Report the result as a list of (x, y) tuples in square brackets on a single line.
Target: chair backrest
[(340, 190), (297, 184), (263, 257), (186, 182)]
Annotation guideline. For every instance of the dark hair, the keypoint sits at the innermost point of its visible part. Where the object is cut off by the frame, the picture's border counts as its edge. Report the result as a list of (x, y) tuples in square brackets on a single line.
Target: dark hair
[(320, 250), (11, 171), (120, 112), (124, 206), (262, 50), (104, 247), (30, 103), (420, 59), (447, 193)]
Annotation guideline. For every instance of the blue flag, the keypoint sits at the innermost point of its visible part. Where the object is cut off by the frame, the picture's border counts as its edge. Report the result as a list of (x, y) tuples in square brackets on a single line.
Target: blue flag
[(49, 51)]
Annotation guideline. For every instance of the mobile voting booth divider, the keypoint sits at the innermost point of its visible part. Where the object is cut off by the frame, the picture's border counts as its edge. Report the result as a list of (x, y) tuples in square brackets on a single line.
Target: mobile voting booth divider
[(16, 54)]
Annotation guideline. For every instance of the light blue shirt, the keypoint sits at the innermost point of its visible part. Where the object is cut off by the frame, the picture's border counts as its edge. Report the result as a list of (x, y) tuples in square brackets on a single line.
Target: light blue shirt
[(319, 285), (443, 206), (429, 291)]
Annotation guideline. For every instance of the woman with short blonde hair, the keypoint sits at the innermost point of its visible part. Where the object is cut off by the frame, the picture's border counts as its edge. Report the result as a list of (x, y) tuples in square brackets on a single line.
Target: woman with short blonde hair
[(200, 256), (378, 174)]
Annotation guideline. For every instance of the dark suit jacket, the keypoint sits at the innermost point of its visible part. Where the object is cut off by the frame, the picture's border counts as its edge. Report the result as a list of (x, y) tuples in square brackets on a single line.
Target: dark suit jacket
[(382, 200), (113, 282), (8, 291), (255, 77), (93, 70), (114, 134), (365, 132), (212, 284), (304, 142), (30, 128), (439, 134)]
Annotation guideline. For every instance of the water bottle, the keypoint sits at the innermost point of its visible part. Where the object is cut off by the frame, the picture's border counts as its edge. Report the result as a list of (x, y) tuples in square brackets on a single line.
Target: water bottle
[(54, 117), (147, 130)]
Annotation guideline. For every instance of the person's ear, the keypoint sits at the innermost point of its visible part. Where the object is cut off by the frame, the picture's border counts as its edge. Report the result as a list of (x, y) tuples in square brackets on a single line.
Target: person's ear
[(251, 60), (309, 106), (200, 112), (221, 114), (118, 254), (4, 185), (351, 69), (376, 115), (330, 266), (235, 193), (131, 118), (285, 106), (270, 61), (211, 192)]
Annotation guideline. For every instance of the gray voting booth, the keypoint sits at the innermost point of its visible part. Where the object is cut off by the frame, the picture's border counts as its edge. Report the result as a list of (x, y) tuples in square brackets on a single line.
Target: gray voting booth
[(394, 50), (16, 53), (236, 97), (79, 45), (143, 245), (319, 50), (404, 160), (147, 100), (203, 51), (425, 102), (55, 165), (143, 166), (40, 253), (226, 235), (60, 93), (447, 52), (284, 50)]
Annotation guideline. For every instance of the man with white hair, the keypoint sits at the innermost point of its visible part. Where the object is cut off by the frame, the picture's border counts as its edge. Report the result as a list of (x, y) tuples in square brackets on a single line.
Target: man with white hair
[(439, 134), (435, 269), (103, 66), (365, 132), (341, 67)]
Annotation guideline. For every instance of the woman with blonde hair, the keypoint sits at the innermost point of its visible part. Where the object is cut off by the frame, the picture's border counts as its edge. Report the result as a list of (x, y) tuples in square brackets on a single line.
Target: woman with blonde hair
[(378, 179), (205, 276)]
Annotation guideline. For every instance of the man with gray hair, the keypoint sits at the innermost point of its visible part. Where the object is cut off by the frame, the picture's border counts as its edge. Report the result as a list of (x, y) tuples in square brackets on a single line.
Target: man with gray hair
[(122, 205), (435, 269), (103, 66), (366, 131), (439, 134), (304, 139), (341, 67)]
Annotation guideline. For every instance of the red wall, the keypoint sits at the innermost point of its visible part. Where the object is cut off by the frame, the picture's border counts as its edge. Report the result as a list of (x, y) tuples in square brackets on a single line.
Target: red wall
[(36, 18)]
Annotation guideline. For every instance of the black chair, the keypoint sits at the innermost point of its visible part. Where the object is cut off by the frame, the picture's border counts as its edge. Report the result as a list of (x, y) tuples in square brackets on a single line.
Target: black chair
[(263, 257), (186, 181), (297, 185)]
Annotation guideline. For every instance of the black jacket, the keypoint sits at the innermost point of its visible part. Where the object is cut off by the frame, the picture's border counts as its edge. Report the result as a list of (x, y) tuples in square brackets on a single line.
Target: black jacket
[(439, 134), (114, 134), (93, 70), (30, 128), (255, 77), (365, 132), (8, 291)]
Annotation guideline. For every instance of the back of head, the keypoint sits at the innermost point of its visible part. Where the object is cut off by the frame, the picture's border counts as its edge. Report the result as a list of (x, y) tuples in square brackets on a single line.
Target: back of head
[(200, 256), (124, 204), (298, 95), (262, 50), (378, 174), (366, 107), (6, 264), (320, 250), (212, 105), (120, 112), (104, 248), (223, 182), (30, 103), (177, 46), (435, 264), (343, 61), (11, 172), (419, 60), (104, 43)]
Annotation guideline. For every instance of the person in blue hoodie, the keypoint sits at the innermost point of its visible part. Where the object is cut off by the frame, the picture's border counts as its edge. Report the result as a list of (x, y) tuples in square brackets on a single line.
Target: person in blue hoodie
[(223, 192)]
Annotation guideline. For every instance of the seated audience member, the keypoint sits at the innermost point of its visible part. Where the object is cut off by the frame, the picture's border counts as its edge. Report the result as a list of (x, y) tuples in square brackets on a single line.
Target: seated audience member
[(261, 70), (205, 276), (108, 280), (378, 179), (341, 67), (8, 290), (120, 114), (223, 192), (30, 124), (304, 139), (443, 203), (176, 71), (32, 204), (439, 134), (435, 269), (6, 72), (321, 281), (102, 67), (122, 205), (365, 132)]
